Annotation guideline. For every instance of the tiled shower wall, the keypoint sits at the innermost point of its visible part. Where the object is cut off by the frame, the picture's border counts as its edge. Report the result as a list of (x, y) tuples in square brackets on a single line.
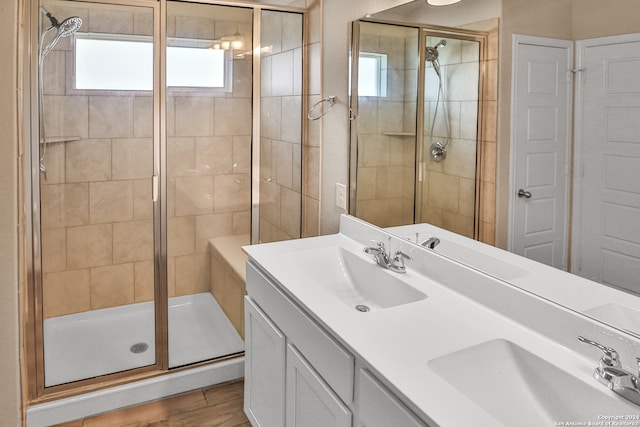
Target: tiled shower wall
[(448, 194), (386, 132), (97, 235), (281, 132)]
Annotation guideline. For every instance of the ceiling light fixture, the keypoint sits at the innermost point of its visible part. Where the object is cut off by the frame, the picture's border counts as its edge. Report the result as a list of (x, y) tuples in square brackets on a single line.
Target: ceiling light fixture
[(442, 2)]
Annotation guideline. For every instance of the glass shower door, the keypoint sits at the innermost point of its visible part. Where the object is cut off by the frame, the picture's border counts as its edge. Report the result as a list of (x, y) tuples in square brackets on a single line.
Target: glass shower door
[(209, 125), (96, 160)]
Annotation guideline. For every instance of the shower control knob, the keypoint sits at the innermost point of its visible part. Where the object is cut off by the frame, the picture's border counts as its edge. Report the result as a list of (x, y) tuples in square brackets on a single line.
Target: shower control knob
[(522, 193)]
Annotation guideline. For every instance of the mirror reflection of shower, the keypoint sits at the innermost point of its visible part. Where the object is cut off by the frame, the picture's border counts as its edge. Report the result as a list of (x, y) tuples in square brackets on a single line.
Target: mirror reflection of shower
[(438, 148), (67, 28)]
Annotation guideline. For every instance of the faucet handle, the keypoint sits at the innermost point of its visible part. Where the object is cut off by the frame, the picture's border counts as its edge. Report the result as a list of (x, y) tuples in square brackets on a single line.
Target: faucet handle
[(610, 355)]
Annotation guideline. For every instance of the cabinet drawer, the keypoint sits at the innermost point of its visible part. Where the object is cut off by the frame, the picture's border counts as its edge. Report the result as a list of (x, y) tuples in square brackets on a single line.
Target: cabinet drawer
[(328, 358), (379, 407)]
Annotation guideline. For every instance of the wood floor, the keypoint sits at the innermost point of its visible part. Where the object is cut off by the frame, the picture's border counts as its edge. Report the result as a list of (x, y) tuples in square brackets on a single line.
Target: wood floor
[(220, 405)]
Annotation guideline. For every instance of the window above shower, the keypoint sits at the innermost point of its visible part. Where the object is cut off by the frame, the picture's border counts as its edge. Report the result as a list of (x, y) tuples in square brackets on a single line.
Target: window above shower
[(124, 62)]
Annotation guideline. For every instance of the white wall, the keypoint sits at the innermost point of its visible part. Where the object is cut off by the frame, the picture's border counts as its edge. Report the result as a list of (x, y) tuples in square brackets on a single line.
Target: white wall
[(10, 409)]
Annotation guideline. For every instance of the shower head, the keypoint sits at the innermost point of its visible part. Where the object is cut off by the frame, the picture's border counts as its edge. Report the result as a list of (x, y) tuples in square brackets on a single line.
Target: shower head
[(441, 43), (65, 28), (69, 26)]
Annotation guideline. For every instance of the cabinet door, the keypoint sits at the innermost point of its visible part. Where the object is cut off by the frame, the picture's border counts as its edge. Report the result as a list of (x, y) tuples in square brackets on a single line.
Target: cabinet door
[(265, 352), (379, 407), (310, 401)]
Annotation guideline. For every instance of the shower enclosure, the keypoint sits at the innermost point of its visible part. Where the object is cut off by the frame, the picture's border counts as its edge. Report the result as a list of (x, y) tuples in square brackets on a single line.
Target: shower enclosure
[(416, 93), (155, 128)]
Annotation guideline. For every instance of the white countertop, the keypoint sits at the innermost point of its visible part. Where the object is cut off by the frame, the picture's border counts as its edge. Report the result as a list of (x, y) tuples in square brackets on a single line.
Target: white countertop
[(399, 342)]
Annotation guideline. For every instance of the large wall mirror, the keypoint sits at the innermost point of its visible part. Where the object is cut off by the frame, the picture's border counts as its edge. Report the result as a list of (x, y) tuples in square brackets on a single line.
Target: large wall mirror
[(608, 230)]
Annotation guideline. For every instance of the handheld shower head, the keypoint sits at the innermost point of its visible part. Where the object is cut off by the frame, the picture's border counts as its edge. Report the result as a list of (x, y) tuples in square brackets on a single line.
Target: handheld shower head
[(69, 26), (441, 43)]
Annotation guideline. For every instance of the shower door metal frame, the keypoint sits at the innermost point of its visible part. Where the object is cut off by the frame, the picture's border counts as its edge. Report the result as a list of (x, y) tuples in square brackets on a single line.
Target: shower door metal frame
[(424, 31), (32, 302)]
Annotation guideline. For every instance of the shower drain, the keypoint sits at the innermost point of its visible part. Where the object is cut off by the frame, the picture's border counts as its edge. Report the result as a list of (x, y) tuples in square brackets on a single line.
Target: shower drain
[(140, 347), (362, 308)]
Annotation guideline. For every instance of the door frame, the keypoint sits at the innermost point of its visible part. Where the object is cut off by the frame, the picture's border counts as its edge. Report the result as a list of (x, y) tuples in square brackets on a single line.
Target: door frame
[(578, 121), (518, 40)]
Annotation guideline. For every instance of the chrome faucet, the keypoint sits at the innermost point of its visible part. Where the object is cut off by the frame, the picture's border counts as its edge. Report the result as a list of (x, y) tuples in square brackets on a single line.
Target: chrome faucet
[(383, 257), (611, 373), (431, 243)]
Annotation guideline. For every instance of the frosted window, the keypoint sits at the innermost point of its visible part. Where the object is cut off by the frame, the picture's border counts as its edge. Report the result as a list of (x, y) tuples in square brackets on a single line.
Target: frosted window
[(114, 64), (372, 74), (191, 67), (105, 64)]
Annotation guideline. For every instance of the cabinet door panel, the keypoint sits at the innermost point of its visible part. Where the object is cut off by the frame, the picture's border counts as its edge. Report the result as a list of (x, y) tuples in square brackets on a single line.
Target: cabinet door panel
[(380, 408), (264, 369), (310, 401)]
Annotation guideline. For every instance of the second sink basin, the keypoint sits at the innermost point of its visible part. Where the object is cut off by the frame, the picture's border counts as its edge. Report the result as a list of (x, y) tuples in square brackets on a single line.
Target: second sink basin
[(519, 388), (354, 281)]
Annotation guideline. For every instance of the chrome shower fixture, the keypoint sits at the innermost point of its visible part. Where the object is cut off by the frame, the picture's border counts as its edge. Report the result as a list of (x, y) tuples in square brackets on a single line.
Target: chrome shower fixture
[(432, 52)]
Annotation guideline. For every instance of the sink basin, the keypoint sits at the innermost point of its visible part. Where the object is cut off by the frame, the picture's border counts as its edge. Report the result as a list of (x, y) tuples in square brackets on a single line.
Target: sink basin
[(355, 281), (519, 388), (619, 315)]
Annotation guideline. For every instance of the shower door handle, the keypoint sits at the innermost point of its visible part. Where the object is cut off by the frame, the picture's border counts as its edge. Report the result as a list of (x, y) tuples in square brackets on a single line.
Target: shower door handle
[(155, 184), (522, 193)]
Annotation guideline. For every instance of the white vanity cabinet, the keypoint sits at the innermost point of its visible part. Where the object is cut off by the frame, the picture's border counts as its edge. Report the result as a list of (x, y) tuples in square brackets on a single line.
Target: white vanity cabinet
[(296, 374)]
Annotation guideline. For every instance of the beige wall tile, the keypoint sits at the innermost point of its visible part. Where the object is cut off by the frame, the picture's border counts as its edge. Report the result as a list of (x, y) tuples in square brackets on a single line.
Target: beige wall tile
[(143, 116), (291, 31), (192, 274), (181, 235), (64, 205), (233, 116), (54, 161), (242, 222), (181, 156), (194, 195), (284, 163), (171, 276), (214, 155), (143, 23), (443, 191), (142, 199), (461, 158), (232, 193), (271, 118), (67, 116), (366, 180), (88, 160), (193, 116), (242, 75), (110, 21), (54, 78), (112, 286), (111, 116), (54, 250), (282, 74), (292, 119), (270, 203), (66, 292), (143, 281), (312, 177), (290, 212), (458, 224), (311, 210), (373, 150), (89, 246), (110, 201), (210, 226), (489, 161), (467, 197), (241, 154), (131, 158), (132, 241), (195, 28)]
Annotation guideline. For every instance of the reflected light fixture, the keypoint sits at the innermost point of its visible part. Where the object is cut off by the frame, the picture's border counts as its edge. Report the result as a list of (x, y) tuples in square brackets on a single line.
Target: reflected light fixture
[(442, 2)]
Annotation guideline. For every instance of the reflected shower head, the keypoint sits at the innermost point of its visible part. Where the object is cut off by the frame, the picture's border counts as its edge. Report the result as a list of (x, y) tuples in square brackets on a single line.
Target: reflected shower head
[(441, 43)]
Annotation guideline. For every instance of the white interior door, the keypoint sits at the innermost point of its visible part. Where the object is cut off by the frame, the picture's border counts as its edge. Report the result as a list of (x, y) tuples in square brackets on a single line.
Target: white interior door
[(606, 238), (540, 135)]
